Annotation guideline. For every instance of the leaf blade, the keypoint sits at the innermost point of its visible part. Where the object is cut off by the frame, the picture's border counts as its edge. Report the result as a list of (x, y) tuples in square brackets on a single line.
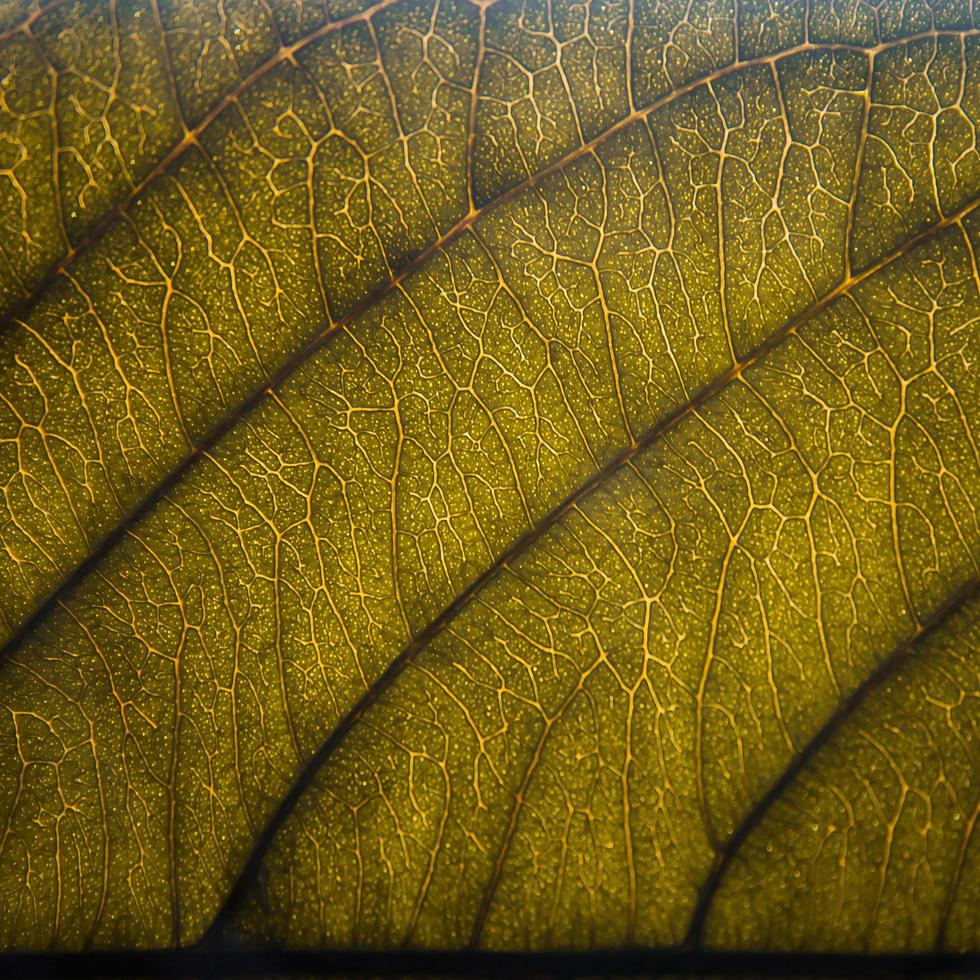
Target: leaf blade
[(392, 472), (364, 795)]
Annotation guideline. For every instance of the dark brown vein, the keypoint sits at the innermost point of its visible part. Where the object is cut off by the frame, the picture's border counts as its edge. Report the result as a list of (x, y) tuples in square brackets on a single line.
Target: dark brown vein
[(250, 871), (846, 707), (286, 369), (25, 25), (191, 138), (885, 670)]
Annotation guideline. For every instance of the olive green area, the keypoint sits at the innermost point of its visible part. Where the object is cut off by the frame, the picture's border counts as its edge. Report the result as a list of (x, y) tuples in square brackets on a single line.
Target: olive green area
[(540, 429)]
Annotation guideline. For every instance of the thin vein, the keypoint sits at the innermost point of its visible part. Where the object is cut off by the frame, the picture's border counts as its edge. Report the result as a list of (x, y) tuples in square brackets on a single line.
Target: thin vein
[(191, 138), (289, 366), (251, 868), (885, 670)]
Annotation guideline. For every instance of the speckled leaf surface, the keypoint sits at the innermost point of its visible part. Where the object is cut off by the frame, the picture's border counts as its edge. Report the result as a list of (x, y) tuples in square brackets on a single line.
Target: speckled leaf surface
[(490, 475)]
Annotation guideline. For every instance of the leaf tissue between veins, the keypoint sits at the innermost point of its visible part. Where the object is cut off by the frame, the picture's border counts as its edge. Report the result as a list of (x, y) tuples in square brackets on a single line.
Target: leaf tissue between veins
[(494, 476)]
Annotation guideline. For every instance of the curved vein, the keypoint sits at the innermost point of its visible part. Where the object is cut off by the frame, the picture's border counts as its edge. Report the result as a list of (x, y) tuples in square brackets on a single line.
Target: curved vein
[(289, 366), (885, 670), (26, 24), (191, 138), (304, 779)]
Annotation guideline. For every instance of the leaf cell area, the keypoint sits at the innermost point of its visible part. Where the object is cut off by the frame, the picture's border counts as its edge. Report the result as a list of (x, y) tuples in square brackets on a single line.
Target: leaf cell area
[(490, 476)]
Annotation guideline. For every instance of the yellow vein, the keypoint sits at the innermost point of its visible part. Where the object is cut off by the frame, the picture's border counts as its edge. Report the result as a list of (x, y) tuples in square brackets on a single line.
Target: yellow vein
[(191, 138), (250, 870), (845, 709), (302, 354)]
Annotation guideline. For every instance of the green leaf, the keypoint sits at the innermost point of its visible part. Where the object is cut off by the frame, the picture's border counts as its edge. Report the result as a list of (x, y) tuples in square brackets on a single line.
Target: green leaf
[(490, 476)]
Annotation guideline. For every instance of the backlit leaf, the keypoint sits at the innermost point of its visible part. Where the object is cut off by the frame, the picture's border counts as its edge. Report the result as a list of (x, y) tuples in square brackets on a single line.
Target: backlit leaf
[(490, 475)]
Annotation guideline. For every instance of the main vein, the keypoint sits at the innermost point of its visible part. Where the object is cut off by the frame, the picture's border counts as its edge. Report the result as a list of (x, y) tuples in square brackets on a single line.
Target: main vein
[(249, 872), (291, 364), (846, 707)]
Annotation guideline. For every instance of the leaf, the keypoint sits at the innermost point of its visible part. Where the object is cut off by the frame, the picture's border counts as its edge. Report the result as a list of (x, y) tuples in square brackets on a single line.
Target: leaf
[(490, 476)]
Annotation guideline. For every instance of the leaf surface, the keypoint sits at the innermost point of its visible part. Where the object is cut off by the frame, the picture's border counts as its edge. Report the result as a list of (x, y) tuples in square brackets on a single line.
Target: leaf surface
[(460, 459)]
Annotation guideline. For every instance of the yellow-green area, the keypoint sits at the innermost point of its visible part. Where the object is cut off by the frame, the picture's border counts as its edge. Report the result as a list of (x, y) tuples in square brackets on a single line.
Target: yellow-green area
[(542, 435)]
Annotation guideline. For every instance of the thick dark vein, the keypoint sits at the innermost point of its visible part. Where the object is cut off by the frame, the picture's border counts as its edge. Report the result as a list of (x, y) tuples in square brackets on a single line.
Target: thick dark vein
[(191, 138), (307, 774), (26, 23), (885, 670), (626, 961), (289, 366)]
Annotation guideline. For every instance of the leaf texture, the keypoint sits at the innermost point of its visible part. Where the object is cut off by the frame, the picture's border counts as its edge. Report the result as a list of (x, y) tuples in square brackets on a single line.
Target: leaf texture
[(490, 475)]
